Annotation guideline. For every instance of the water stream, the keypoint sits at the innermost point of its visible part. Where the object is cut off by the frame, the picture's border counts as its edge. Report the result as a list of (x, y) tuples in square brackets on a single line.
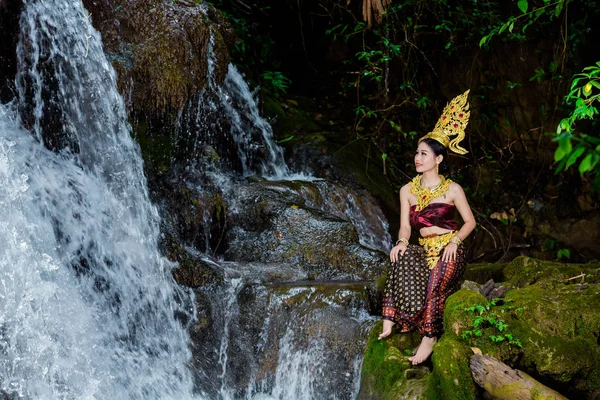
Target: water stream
[(88, 308)]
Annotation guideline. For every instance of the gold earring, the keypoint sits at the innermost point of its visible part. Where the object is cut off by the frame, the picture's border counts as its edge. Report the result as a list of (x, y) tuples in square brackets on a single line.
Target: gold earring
[(437, 168)]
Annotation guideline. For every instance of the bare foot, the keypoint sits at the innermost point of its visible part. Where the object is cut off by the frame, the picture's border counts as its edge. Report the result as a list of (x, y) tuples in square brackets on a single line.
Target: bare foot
[(387, 329), (414, 351), (424, 351)]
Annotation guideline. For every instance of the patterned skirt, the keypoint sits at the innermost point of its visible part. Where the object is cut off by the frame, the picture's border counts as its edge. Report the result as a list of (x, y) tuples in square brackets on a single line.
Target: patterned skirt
[(414, 295)]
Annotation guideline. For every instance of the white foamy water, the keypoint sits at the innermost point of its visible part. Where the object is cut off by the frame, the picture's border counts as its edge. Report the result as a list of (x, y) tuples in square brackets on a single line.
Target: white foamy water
[(88, 309)]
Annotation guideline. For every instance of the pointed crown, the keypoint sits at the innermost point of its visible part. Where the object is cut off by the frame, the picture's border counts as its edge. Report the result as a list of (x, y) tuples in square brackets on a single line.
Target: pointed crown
[(452, 122)]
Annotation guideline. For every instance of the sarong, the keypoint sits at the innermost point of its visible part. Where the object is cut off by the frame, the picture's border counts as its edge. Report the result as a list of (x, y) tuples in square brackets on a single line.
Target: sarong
[(415, 295)]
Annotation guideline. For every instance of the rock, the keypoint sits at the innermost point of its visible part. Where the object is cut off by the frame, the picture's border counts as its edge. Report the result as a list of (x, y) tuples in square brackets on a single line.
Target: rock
[(451, 376), (556, 324), (497, 292), (10, 10), (523, 271), (271, 222), (270, 326), (416, 373), (159, 49), (384, 365), (470, 285), (481, 273), (487, 287)]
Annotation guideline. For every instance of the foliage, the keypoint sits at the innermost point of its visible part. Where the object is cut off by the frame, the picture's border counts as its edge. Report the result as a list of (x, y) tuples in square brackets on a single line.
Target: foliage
[(576, 146), (548, 10), (581, 97), (253, 50), (276, 82), (489, 317)]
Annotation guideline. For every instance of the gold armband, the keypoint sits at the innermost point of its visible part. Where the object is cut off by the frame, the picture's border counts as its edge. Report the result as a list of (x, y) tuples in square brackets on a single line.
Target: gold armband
[(456, 240), (402, 240)]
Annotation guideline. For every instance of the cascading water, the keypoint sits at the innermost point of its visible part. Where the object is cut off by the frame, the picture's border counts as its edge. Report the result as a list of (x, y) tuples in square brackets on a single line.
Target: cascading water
[(88, 308), (266, 350), (297, 342), (228, 112)]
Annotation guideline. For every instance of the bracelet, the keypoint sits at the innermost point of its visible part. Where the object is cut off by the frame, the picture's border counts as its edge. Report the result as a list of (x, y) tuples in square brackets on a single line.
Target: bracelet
[(402, 240), (455, 239)]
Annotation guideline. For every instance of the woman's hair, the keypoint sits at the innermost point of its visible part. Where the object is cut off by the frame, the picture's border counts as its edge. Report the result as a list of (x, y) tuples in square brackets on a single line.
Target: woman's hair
[(439, 150)]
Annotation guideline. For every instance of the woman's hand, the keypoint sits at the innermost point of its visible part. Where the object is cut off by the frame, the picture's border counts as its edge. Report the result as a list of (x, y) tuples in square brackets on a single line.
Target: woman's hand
[(397, 250), (450, 252)]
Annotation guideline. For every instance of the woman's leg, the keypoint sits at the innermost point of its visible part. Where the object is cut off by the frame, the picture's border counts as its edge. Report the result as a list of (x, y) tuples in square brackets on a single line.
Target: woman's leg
[(404, 293), (443, 281)]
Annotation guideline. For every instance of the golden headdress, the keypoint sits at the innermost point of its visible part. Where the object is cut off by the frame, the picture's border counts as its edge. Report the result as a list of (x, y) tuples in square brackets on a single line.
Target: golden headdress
[(452, 122)]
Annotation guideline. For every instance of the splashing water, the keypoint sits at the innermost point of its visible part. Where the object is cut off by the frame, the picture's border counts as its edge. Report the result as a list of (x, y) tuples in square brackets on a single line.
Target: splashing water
[(88, 308)]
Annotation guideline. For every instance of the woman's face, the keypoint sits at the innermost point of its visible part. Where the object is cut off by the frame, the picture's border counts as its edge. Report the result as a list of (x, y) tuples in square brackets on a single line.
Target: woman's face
[(425, 158)]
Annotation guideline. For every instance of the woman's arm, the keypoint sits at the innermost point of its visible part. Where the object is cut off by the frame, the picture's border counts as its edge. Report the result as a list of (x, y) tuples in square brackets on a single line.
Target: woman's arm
[(404, 231), (462, 205)]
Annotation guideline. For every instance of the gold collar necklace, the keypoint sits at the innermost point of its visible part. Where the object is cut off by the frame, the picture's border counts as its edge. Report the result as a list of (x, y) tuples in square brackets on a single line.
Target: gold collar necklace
[(424, 195)]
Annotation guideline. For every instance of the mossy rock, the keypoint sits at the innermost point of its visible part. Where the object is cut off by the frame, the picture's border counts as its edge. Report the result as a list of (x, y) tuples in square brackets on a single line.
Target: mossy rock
[(523, 271), (384, 364), (561, 346), (451, 376), (287, 118), (557, 324)]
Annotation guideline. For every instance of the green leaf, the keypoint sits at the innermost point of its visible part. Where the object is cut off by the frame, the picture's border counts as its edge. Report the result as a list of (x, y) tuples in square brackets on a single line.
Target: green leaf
[(564, 148), (574, 156), (585, 164), (287, 139), (523, 6)]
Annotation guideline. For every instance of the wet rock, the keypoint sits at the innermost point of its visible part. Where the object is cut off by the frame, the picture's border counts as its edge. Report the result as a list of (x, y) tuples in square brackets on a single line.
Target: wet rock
[(158, 48), (271, 222), (269, 329)]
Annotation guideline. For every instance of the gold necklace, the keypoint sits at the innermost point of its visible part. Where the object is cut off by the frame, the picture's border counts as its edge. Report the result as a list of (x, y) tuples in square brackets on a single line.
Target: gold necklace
[(424, 195)]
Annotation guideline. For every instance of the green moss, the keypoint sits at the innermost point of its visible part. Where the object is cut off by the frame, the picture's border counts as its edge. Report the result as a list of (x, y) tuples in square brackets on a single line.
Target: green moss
[(451, 372), (156, 148), (384, 363), (557, 322), (456, 320), (380, 283), (566, 325), (523, 271)]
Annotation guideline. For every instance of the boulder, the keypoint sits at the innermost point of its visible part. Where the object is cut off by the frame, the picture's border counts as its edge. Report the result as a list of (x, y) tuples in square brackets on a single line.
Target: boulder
[(272, 222), (159, 47)]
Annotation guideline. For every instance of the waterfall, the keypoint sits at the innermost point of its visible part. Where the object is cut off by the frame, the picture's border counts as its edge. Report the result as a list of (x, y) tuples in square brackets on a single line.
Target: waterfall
[(88, 309), (226, 116)]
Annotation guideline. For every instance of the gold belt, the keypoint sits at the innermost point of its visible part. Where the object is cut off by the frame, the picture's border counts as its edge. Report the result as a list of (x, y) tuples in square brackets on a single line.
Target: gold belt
[(433, 246)]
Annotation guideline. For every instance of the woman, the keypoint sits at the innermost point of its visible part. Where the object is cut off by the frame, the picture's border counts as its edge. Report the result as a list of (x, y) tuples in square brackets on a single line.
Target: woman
[(421, 278)]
